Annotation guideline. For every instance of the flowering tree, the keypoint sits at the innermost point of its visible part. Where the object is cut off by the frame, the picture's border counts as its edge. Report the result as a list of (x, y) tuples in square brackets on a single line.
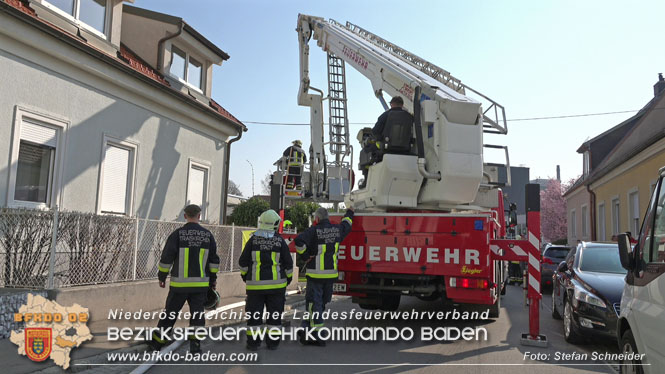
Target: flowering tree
[(553, 223)]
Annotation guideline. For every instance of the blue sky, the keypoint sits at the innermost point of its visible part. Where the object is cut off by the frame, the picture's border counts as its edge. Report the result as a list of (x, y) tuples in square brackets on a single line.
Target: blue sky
[(536, 58)]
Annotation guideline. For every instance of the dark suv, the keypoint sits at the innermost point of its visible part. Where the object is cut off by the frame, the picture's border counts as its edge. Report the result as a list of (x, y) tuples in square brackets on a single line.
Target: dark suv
[(552, 256)]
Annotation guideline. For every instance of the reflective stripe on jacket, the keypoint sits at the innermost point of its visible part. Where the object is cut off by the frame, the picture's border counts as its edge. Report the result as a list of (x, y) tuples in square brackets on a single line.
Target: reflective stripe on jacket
[(320, 245), (266, 264), (295, 156), (190, 255)]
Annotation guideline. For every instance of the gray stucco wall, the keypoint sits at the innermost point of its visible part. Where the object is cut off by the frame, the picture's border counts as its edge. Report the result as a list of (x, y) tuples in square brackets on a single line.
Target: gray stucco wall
[(164, 145)]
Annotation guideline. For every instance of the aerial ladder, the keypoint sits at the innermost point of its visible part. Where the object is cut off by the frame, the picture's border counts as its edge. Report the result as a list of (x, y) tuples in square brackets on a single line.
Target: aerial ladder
[(440, 199)]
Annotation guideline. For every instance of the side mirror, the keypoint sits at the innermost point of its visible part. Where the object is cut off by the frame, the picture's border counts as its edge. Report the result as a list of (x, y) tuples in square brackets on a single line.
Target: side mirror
[(625, 251), (563, 267)]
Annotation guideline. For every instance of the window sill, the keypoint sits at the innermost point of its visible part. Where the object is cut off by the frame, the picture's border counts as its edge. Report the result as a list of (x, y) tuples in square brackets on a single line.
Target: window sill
[(28, 205), (185, 83), (70, 24)]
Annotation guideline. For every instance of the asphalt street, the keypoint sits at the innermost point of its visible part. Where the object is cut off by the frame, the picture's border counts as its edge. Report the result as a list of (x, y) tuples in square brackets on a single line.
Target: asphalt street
[(500, 353)]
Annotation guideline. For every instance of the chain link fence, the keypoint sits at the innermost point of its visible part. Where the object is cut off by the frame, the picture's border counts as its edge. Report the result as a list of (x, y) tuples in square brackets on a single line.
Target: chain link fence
[(55, 249)]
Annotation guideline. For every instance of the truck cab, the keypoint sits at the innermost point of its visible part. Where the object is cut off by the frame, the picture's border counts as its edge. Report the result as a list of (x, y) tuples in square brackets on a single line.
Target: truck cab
[(641, 325)]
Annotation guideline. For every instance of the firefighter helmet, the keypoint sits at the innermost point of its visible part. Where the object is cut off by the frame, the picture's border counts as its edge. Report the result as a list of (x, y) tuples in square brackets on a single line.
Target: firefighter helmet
[(297, 142), (212, 299), (269, 220)]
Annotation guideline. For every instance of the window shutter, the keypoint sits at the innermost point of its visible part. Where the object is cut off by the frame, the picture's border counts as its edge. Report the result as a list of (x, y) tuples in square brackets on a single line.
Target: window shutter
[(38, 134), (196, 188), (636, 207), (116, 178)]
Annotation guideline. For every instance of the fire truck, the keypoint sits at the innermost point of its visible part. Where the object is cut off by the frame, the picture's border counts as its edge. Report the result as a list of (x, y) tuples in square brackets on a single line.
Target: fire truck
[(430, 218)]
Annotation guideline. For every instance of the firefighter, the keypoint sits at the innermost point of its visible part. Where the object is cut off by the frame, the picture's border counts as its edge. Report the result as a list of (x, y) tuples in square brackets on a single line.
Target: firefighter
[(190, 254), (295, 158), (396, 104), (267, 268), (319, 245)]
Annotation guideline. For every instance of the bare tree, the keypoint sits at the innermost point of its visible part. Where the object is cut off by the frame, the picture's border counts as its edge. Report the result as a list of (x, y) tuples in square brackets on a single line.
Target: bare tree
[(265, 183), (234, 189)]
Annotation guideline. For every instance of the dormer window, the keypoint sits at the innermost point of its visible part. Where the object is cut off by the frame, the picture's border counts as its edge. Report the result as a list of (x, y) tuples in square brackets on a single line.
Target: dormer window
[(587, 164), (90, 13), (186, 68)]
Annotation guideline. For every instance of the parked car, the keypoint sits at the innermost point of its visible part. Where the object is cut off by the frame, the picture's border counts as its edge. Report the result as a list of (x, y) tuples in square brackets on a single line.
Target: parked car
[(641, 325), (551, 258), (587, 291)]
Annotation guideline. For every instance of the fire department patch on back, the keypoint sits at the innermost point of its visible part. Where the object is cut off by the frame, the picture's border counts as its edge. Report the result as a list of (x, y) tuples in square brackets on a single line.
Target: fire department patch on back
[(38, 343)]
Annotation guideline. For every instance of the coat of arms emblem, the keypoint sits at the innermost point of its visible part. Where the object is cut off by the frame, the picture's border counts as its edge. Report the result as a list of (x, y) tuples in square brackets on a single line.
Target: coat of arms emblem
[(38, 343)]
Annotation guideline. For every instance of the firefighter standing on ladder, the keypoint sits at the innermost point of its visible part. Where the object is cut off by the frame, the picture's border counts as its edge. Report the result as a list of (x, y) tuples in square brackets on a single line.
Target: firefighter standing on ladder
[(295, 158), (190, 254), (319, 245), (267, 268)]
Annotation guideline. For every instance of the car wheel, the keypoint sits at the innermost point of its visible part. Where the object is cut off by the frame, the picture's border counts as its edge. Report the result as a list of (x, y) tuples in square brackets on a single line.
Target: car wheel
[(555, 313), (628, 346), (569, 332)]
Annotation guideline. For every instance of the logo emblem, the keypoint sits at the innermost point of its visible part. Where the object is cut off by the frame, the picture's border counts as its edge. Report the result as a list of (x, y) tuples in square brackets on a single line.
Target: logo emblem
[(38, 343)]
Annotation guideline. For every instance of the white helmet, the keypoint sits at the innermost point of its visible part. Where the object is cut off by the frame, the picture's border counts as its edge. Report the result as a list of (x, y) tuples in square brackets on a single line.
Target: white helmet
[(269, 220)]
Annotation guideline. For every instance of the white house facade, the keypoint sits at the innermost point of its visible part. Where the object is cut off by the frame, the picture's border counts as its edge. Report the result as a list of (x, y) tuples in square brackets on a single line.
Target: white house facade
[(97, 115)]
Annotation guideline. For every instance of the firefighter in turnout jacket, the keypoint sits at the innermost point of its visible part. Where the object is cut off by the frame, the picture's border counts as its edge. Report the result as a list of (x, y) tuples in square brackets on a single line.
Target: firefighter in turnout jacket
[(319, 245), (190, 255), (267, 268), (296, 158)]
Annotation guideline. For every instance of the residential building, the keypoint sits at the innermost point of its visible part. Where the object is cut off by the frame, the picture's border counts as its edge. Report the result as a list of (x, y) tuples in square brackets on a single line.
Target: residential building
[(233, 202), (107, 109), (619, 169)]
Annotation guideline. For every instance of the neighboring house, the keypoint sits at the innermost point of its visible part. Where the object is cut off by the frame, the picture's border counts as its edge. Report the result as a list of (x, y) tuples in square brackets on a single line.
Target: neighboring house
[(107, 108), (619, 170), (577, 212), (233, 202)]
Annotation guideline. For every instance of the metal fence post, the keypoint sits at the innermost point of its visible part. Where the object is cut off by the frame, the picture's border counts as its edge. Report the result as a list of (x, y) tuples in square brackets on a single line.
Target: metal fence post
[(233, 242), (54, 242), (136, 247)]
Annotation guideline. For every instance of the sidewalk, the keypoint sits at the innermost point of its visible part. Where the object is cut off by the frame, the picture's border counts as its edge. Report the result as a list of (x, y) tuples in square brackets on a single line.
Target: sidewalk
[(94, 351)]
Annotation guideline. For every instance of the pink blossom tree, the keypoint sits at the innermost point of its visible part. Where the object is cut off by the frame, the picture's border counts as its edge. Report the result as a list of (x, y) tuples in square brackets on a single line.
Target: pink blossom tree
[(553, 223)]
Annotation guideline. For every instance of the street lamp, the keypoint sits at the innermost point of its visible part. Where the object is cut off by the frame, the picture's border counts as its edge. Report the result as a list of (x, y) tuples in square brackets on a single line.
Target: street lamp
[(252, 166)]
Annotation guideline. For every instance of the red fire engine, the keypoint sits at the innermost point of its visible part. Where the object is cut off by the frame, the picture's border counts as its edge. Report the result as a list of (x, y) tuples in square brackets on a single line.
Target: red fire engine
[(430, 218)]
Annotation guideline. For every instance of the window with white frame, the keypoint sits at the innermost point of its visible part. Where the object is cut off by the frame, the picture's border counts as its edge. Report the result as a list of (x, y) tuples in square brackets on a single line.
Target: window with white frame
[(92, 13), (35, 160), (573, 224), (634, 213), (601, 222), (585, 218), (186, 68), (616, 214), (587, 163), (197, 185), (117, 177)]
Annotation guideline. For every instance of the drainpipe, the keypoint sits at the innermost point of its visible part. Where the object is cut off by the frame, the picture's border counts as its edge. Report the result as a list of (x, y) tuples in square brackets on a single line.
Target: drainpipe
[(227, 158), (160, 47), (592, 212)]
